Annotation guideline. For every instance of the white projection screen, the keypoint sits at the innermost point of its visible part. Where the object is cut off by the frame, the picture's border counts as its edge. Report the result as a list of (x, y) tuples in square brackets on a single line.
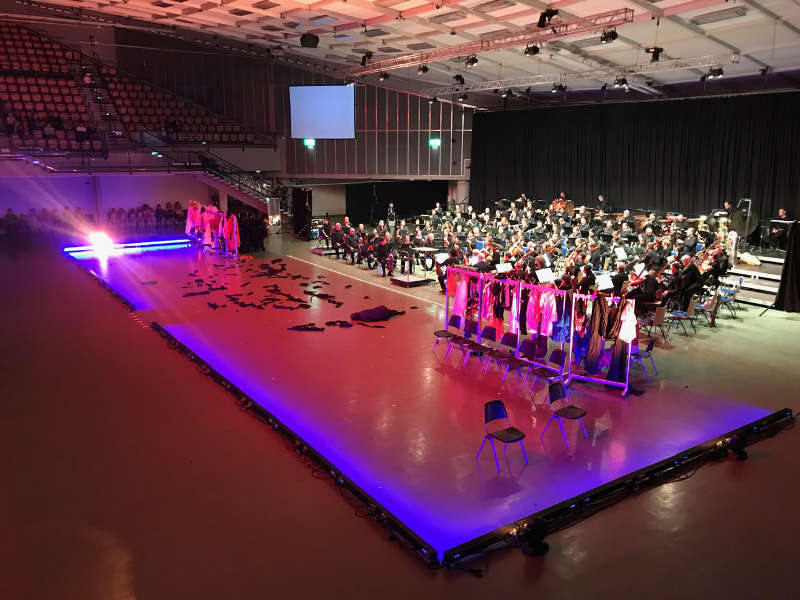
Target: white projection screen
[(322, 111)]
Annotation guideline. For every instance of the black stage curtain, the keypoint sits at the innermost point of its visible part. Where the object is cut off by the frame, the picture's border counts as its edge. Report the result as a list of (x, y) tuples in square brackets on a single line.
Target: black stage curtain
[(679, 155), (788, 297), (367, 202), (301, 212)]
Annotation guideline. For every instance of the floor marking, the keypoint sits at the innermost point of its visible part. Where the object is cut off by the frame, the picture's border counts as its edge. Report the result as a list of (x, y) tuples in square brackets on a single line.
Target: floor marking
[(365, 281)]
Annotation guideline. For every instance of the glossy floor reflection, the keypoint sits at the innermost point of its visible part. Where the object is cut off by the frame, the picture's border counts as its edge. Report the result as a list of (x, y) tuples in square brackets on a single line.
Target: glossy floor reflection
[(401, 421)]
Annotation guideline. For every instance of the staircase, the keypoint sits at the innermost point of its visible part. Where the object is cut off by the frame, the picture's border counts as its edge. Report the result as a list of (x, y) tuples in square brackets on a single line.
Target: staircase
[(759, 283), (102, 112)]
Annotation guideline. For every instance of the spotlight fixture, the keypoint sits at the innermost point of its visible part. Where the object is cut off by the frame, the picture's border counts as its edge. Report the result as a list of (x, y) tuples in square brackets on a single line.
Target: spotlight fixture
[(422, 69), (506, 93), (433, 100), (608, 36), (559, 87), (383, 76), (531, 50), (349, 82), (656, 53), (471, 61), (620, 82), (459, 79), (463, 97), (365, 58), (545, 16), (715, 73)]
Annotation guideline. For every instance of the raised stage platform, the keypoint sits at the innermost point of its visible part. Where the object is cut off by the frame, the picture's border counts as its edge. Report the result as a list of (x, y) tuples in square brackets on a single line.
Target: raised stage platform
[(403, 422)]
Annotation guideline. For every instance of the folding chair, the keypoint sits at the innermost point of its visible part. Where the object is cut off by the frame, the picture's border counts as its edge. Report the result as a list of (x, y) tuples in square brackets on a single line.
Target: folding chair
[(489, 333), (657, 322), (558, 360), (493, 411), (558, 391), (441, 334), (679, 317), (638, 357), (509, 340)]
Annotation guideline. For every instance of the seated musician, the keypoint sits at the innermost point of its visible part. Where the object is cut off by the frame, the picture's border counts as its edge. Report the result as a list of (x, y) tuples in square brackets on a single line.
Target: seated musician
[(644, 288), (402, 230), (689, 245), (326, 232), (691, 281), (778, 230), (383, 255), (649, 236), (351, 245), (337, 239), (720, 263), (619, 278)]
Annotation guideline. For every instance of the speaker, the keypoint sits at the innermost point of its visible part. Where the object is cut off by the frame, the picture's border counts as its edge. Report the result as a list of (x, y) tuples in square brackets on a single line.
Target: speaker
[(309, 40)]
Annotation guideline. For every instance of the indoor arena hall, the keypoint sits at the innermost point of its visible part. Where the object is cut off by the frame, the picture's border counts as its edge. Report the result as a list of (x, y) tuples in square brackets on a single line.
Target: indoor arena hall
[(399, 300)]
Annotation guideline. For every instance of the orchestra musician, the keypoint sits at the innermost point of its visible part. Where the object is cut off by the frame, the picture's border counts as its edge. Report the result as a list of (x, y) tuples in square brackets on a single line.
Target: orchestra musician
[(778, 230)]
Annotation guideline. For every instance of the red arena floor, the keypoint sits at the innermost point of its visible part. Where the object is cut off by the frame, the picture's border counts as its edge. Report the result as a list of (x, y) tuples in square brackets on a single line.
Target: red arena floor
[(402, 422)]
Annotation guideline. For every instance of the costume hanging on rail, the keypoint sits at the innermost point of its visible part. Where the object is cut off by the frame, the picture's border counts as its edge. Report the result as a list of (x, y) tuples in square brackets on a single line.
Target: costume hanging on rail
[(549, 314), (514, 319), (597, 329), (580, 340), (562, 325), (460, 300), (523, 311)]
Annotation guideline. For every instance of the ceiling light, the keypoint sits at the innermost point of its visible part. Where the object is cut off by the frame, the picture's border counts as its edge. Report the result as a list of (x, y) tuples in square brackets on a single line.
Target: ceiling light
[(459, 79), (433, 100), (349, 82), (715, 73), (620, 82), (462, 97), (559, 87), (608, 36), (471, 61), (655, 51), (506, 93), (383, 76), (531, 50), (422, 69), (545, 17)]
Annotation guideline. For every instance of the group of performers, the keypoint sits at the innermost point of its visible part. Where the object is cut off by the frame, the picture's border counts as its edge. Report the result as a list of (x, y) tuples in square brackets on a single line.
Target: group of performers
[(655, 260), (212, 228)]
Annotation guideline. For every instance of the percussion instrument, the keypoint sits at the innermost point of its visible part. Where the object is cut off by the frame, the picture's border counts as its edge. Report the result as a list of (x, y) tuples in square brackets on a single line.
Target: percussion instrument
[(743, 221)]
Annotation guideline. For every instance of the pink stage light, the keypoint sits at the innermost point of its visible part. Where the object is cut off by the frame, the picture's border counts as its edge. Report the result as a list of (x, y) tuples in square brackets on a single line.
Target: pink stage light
[(101, 243)]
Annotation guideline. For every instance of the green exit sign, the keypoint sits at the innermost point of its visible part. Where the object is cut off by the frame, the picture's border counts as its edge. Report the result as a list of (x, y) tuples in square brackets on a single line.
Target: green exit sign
[(435, 143)]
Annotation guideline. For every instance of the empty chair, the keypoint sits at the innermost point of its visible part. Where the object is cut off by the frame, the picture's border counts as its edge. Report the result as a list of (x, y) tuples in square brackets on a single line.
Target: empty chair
[(679, 317), (558, 391), (470, 330), (708, 308), (455, 322), (638, 357), (489, 334), (492, 411), (657, 322), (509, 341), (554, 368)]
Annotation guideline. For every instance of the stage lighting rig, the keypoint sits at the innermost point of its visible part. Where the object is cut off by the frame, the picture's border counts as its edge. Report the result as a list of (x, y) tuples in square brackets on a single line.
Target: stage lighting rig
[(365, 58), (463, 97), (506, 93), (422, 69), (546, 16), (715, 73), (531, 50), (433, 100), (471, 61), (383, 77), (559, 87), (532, 539), (655, 52), (735, 445), (459, 79), (608, 36), (620, 82)]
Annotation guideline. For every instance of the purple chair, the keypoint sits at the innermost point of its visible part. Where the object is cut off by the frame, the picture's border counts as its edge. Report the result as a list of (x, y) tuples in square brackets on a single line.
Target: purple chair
[(492, 411)]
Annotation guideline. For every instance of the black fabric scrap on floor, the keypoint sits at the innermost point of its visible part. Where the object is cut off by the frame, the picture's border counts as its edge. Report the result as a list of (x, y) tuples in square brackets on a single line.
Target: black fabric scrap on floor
[(204, 293), (379, 313), (246, 283), (149, 282), (306, 327), (344, 324), (370, 326)]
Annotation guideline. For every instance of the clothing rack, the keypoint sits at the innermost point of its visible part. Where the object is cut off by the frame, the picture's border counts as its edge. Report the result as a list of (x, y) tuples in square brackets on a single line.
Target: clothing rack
[(518, 286), (570, 375)]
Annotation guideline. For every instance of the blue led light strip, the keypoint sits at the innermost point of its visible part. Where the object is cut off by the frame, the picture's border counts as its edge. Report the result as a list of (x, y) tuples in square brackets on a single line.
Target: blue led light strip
[(183, 241)]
